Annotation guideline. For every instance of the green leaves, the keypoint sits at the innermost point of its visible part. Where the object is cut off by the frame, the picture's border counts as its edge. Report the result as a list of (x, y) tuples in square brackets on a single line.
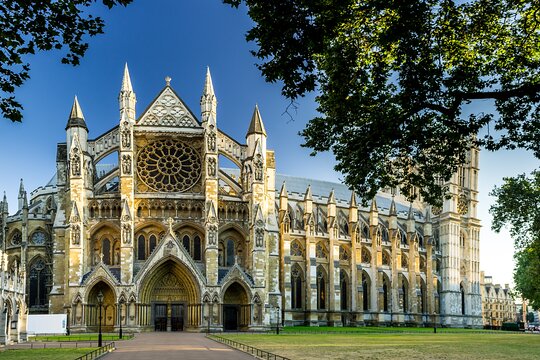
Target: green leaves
[(394, 76), (30, 26)]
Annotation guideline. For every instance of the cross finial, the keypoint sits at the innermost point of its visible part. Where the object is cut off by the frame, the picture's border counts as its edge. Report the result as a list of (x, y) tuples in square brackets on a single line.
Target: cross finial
[(168, 80), (170, 221)]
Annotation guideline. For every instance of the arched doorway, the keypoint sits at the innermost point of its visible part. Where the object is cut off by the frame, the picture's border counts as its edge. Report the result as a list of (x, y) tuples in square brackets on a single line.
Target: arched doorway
[(236, 308), (108, 308), (170, 298)]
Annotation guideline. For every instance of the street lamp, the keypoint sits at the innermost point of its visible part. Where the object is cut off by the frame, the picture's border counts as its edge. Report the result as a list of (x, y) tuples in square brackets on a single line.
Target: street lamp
[(120, 317), (100, 302), (67, 323)]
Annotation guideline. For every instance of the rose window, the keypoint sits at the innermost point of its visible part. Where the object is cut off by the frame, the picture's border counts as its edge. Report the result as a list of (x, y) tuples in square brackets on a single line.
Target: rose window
[(169, 166)]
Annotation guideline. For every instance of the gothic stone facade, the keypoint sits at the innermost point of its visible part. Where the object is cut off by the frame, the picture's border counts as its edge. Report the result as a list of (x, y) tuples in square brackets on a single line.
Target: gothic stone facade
[(174, 241)]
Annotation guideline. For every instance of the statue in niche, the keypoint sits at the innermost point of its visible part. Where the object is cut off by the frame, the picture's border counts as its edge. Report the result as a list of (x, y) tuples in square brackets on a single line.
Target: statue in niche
[(259, 237), (75, 234), (75, 163), (212, 232), (126, 233), (126, 135), (258, 168), (126, 164), (211, 142), (212, 167)]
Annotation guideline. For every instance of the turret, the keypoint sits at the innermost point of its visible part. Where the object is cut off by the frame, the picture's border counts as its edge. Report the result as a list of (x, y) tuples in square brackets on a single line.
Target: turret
[(127, 98), (427, 224), (331, 204), (308, 201), (5, 209), (208, 101), (76, 125)]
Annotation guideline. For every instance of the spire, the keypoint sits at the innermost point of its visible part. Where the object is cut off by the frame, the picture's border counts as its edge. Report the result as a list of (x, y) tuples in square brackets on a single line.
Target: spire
[(76, 117), (25, 201), (308, 194), (21, 188), (393, 210), (374, 207), (126, 81), (256, 126), (5, 202), (331, 197), (352, 202), (410, 216), (283, 192), (428, 214), (208, 85)]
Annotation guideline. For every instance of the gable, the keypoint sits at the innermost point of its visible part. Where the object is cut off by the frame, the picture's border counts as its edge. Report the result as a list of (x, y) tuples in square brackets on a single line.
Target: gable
[(168, 110)]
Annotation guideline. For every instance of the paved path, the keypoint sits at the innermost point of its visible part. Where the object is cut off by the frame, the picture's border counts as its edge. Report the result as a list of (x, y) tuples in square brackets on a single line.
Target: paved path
[(173, 345)]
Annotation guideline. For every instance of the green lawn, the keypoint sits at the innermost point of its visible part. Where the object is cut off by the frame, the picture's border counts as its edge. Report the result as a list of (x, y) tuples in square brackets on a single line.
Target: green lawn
[(400, 346), (44, 354), (379, 329), (79, 337)]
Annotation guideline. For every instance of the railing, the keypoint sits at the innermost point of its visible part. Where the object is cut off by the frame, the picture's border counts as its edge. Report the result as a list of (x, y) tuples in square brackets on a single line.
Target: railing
[(77, 338), (261, 354), (98, 352)]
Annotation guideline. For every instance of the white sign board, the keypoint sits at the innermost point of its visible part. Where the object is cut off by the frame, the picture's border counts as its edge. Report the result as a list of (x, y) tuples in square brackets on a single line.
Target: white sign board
[(47, 324)]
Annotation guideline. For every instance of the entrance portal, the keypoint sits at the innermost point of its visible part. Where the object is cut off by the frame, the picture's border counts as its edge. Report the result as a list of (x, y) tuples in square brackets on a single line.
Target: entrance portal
[(230, 317), (169, 317)]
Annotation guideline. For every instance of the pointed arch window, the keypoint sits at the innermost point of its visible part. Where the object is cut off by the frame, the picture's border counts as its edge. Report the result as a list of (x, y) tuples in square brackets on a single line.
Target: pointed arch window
[(106, 250), (230, 252), (153, 243), (185, 242), (296, 287), (39, 278), (365, 292), (141, 248), (197, 248), (344, 293), (385, 295), (321, 289)]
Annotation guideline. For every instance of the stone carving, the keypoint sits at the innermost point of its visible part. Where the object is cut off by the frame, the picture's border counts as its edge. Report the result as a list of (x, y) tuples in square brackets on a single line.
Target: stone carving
[(126, 164), (463, 204), (211, 142), (75, 234), (211, 166), (258, 164), (126, 135), (75, 163), (168, 110), (126, 233)]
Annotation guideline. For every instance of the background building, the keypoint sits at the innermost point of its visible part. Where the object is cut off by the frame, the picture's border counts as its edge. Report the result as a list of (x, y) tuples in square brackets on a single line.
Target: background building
[(148, 216), (498, 304)]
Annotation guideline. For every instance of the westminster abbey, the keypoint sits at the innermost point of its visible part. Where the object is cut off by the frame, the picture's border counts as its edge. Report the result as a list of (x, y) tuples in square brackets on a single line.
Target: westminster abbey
[(145, 218)]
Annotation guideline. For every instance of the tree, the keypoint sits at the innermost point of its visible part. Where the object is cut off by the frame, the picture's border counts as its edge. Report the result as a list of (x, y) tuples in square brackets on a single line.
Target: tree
[(517, 205), (394, 77), (28, 26)]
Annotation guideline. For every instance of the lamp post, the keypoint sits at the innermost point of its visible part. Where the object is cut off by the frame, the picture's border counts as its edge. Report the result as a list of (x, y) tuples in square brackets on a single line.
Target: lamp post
[(277, 319), (67, 323), (100, 302), (120, 319)]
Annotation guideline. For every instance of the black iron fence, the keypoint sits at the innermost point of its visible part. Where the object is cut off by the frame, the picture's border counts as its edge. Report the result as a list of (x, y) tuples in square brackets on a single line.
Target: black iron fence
[(98, 352), (261, 354)]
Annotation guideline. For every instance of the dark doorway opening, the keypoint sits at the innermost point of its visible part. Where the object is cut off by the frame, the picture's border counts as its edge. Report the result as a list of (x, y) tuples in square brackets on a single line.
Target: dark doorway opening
[(160, 319), (230, 316), (177, 317)]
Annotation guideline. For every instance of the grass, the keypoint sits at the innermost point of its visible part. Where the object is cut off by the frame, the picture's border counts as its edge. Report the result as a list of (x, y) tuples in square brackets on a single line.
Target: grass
[(79, 337), (416, 345), (44, 354)]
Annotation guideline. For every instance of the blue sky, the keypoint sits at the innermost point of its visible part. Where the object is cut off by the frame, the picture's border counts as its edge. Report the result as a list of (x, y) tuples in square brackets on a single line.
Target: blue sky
[(179, 39)]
